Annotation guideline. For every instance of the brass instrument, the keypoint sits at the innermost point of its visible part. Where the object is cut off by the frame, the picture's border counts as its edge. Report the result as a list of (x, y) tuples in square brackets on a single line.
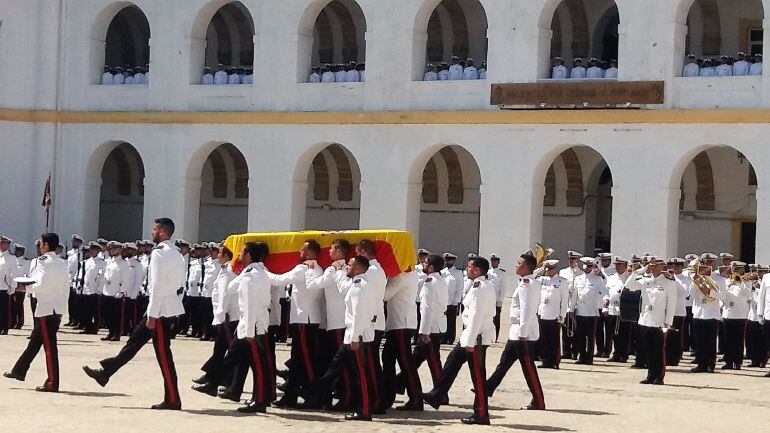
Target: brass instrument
[(704, 283), (541, 255)]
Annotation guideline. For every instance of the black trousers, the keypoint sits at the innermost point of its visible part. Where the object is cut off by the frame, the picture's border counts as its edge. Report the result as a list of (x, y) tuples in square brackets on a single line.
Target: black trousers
[(621, 340), (496, 321), (283, 333), (214, 366), (687, 338), (5, 311), (113, 313), (518, 350), (72, 307), (161, 338), (206, 315), (430, 352), (568, 341), (419, 320), (755, 344), (43, 335), (640, 350), (608, 323), (360, 363), (549, 344), (304, 358), (735, 334), (344, 373), (252, 354), (654, 342), (376, 373), (477, 365), (398, 349), (184, 321), (90, 311), (601, 341), (17, 310), (585, 333), (675, 341), (451, 324), (706, 342), (194, 315)]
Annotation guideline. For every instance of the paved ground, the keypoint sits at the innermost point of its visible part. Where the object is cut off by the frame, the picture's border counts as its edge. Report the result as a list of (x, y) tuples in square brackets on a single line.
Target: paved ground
[(583, 399)]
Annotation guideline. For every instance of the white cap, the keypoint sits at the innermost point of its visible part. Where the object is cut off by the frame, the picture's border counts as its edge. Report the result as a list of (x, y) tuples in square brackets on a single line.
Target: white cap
[(551, 263), (130, 246), (737, 264), (588, 261)]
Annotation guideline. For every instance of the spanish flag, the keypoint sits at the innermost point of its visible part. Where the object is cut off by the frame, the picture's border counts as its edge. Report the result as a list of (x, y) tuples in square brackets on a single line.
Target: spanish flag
[(394, 249)]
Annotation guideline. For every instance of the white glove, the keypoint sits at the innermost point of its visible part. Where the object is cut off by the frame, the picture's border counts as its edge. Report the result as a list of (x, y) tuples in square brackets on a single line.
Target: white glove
[(761, 320)]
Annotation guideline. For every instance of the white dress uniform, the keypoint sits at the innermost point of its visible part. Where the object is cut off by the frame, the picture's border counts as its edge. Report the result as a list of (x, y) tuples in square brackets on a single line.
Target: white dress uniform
[(138, 270), (352, 76), (433, 302), (340, 76), (166, 281), (685, 300), (430, 76), (314, 78), (482, 73), (328, 77), (9, 270), (139, 78), (659, 299), (253, 301), (51, 286), (24, 265), (571, 274), (702, 309), (377, 281), (211, 271), (129, 80), (471, 73), (247, 79), (479, 313), (737, 301), (107, 79), (559, 72), (93, 280), (724, 70), (224, 301), (756, 69), (234, 79), (221, 78), (611, 73), (741, 68), (525, 303), (708, 71), (456, 72), (578, 72), (499, 279), (456, 292), (615, 284), (334, 296), (118, 78), (194, 278), (306, 304), (594, 72), (755, 295), (207, 79), (763, 299), (590, 291), (443, 75), (360, 309), (400, 293), (554, 297), (74, 258), (691, 70), (113, 277)]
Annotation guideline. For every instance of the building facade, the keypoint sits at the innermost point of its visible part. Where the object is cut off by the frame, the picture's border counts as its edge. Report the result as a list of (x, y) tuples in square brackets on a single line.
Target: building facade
[(435, 158)]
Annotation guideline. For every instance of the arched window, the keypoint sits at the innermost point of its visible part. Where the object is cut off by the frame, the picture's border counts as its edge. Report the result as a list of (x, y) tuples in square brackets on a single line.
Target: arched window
[(127, 48)]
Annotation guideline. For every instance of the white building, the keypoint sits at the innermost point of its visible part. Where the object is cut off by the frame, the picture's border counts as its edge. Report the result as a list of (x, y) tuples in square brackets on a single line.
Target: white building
[(391, 152)]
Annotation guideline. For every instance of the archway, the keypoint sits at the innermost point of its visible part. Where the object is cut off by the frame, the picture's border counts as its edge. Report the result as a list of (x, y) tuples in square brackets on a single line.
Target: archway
[(230, 37), (577, 207), (584, 29), (718, 206), (127, 42), (724, 27), (121, 196), (224, 195), (333, 199), (450, 202)]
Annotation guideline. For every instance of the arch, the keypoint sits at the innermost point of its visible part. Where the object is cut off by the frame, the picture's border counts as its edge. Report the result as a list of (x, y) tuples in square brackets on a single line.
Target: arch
[(449, 27), (121, 192), (333, 200), (224, 192), (127, 37), (451, 182), (605, 35)]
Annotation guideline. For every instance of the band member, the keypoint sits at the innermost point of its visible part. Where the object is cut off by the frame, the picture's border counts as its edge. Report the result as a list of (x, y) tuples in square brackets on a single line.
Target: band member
[(590, 291), (659, 300), (166, 286), (554, 304), (706, 314), (735, 312), (570, 273), (478, 333), (756, 349), (523, 334), (433, 301), (675, 337), (50, 282), (620, 330), (497, 276)]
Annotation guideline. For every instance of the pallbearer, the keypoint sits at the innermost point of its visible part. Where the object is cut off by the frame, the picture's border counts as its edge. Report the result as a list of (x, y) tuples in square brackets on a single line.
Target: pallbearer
[(433, 301)]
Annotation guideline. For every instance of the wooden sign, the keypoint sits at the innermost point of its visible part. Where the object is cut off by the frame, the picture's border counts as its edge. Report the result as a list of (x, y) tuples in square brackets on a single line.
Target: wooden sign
[(592, 93)]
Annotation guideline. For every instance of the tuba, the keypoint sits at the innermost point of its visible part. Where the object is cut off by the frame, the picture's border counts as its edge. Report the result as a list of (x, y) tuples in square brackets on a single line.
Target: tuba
[(704, 283)]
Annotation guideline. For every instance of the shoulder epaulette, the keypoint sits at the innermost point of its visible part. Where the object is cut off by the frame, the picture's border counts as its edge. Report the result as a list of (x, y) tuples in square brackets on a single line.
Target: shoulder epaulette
[(476, 284)]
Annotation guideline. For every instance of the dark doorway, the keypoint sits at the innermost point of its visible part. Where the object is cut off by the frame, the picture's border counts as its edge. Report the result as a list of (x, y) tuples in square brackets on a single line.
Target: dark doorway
[(748, 241)]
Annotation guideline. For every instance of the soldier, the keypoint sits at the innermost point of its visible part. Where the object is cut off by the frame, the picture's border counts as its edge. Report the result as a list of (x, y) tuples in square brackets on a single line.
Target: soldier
[(741, 66), (431, 73), (8, 271), (456, 71), (570, 273), (107, 76), (443, 72), (497, 276), (17, 310), (706, 317), (594, 71), (559, 71), (433, 301), (207, 79), (74, 265), (470, 72), (724, 69), (352, 75), (341, 74), (675, 336), (220, 76), (756, 67), (328, 74), (691, 69), (612, 71), (735, 312), (707, 70), (756, 349), (617, 329), (554, 304), (115, 274), (315, 75), (578, 71), (590, 290), (483, 71), (455, 281), (93, 284)]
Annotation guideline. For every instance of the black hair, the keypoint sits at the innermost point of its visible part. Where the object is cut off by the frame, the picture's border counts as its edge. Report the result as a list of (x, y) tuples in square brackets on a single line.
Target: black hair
[(264, 251), (166, 224), (362, 261), (530, 260), (342, 245), (367, 246), (313, 246), (481, 263), (255, 251), (50, 239), (436, 261), (226, 251)]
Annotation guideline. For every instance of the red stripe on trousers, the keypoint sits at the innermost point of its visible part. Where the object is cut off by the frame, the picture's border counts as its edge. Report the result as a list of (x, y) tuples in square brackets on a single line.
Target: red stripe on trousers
[(270, 365), (373, 374), (528, 365), (479, 383), (306, 352), (47, 349), (364, 385), (256, 364), (558, 343), (406, 363), (663, 368), (345, 372), (164, 368)]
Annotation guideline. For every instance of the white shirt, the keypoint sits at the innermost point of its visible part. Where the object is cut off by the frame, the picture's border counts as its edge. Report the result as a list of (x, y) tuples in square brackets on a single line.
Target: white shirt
[(129, 80), (360, 309), (352, 76), (307, 305), (479, 314), (524, 305), (724, 70), (443, 75), (137, 271), (570, 274), (578, 72), (314, 78), (377, 281), (340, 76), (741, 68), (756, 69), (139, 78), (707, 310), (591, 290), (234, 79), (737, 301), (400, 293), (559, 72), (471, 73), (253, 301), (482, 73), (611, 73), (166, 281), (659, 299), (328, 77), (194, 278), (615, 284), (207, 79), (456, 72), (755, 294), (74, 259), (94, 276), (334, 298), (708, 71), (118, 79), (594, 72), (210, 272), (107, 79), (221, 77), (498, 278), (51, 286), (691, 70), (430, 76), (224, 301), (247, 79), (433, 302), (9, 269), (554, 297), (113, 277), (456, 284)]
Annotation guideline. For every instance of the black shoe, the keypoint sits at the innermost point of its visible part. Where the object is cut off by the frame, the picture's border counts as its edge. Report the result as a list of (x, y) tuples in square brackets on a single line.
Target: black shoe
[(435, 401), (207, 389), (309, 404), (46, 388), (754, 365), (699, 369), (252, 408), (356, 416), (97, 374), (226, 394), (201, 380), (544, 365), (115, 338), (726, 367), (475, 420), (768, 374), (12, 375), (533, 406), (646, 382), (106, 338), (285, 403), (710, 369), (283, 374), (658, 382), (411, 407), (166, 406)]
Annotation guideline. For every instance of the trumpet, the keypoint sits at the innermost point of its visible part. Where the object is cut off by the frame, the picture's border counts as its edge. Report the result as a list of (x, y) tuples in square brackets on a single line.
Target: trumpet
[(704, 283)]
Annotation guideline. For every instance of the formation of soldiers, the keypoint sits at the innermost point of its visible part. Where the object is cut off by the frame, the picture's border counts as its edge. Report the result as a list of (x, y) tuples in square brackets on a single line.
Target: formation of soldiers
[(595, 69), (458, 70), (358, 337), (227, 75), (726, 66), (353, 72), (120, 75)]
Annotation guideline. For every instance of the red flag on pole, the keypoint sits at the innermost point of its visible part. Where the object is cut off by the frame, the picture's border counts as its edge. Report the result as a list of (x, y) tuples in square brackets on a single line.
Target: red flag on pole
[(47, 200)]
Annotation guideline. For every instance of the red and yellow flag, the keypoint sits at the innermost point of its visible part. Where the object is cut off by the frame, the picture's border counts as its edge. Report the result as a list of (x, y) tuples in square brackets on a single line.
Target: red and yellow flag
[(394, 249)]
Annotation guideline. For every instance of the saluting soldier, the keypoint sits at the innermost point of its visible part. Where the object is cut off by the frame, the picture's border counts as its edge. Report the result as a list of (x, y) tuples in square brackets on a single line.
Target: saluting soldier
[(590, 292), (618, 329), (570, 273), (706, 317)]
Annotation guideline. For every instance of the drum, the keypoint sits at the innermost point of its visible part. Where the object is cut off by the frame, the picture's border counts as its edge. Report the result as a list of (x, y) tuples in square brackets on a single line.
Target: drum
[(630, 305)]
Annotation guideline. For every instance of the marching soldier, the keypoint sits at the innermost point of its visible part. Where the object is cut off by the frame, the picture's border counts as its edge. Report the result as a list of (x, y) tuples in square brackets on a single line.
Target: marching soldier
[(478, 334), (659, 301), (735, 311), (554, 304), (433, 301), (50, 282), (523, 334), (166, 285)]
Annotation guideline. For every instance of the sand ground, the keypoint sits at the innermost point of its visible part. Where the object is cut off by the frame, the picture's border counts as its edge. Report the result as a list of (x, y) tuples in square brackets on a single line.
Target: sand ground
[(603, 397)]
